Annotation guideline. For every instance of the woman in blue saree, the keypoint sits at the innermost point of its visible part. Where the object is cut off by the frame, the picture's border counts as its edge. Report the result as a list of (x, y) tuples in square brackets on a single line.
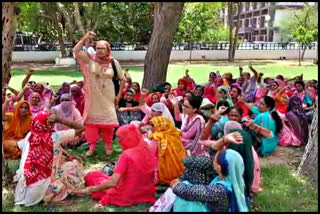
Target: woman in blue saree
[(226, 193)]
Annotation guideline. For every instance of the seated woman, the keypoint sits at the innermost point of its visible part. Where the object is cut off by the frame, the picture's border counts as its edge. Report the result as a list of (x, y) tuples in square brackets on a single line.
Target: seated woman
[(124, 116), (37, 103), (207, 107), (16, 126), (235, 94), (269, 119), (182, 88), (192, 123), (295, 124), (136, 87), (277, 92), (226, 193), (133, 181), (78, 98), (220, 118), (210, 88), (68, 111), (223, 94), (151, 99), (41, 175), (249, 86), (309, 102), (168, 148)]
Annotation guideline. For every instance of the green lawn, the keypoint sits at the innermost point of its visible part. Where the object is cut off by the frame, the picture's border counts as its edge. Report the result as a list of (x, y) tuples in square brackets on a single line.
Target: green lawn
[(199, 72)]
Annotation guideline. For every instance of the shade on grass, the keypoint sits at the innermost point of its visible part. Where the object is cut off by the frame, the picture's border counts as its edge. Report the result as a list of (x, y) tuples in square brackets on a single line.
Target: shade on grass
[(199, 72)]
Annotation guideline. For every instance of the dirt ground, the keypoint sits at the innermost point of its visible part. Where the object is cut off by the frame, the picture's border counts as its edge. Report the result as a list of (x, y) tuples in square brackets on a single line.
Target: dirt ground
[(284, 155)]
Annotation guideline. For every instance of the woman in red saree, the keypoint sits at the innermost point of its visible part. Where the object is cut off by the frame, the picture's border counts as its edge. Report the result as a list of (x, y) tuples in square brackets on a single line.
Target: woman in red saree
[(100, 98), (133, 181)]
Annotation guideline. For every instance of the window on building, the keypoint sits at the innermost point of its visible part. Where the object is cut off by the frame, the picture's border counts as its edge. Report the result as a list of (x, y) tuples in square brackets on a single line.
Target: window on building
[(264, 12), (262, 4), (247, 6), (261, 38), (254, 22), (255, 4), (246, 24), (262, 20), (257, 13)]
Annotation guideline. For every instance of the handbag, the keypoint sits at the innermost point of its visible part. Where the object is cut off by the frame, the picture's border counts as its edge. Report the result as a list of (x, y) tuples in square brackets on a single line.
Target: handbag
[(165, 202)]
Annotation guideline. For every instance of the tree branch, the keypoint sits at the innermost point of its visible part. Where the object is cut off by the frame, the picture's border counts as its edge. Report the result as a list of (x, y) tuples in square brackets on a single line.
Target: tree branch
[(77, 17)]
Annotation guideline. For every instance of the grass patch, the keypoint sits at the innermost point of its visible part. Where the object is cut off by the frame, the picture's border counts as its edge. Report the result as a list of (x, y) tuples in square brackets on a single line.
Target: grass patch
[(199, 72), (284, 192)]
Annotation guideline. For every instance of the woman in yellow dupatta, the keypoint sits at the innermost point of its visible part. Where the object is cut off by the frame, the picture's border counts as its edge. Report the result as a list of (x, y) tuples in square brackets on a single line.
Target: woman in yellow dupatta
[(170, 149), (16, 126)]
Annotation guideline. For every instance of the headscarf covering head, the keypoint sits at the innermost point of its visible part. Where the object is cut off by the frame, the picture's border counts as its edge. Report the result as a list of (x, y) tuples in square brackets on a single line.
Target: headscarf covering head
[(136, 148), (160, 107), (102, 60), (16, 128), (235, 170), (229, 125)]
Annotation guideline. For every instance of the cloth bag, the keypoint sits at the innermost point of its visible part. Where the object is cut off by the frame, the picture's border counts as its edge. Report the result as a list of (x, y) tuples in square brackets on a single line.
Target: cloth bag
[(165, 202)]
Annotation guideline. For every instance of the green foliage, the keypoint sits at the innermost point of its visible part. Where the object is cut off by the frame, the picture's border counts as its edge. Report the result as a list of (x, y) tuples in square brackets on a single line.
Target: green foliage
[(301, 26), (112, 21), (305, 36), (200, 23)]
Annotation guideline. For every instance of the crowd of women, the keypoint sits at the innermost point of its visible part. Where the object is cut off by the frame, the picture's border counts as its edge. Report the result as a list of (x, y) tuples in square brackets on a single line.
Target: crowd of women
[(203, 141)]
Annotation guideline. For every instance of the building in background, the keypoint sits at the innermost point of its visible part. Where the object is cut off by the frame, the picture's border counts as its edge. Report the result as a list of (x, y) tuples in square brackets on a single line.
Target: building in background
[(261, 21)]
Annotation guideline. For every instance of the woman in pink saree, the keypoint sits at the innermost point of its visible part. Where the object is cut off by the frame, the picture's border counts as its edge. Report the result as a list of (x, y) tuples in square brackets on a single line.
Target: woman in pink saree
[(99, 114)]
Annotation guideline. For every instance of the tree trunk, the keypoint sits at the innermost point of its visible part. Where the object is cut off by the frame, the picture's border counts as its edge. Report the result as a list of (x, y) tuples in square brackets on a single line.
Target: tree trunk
[(309, 162), (166, 20), (77, 17), (303, 52), (67, 16), (230, 19), (235, 38), (9, 21)]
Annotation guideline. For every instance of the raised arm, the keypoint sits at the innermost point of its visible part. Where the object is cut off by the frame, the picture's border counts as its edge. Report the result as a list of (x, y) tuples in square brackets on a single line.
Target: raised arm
[(254, 71), (27, 78), (5, 107), (77, 49), (79, 128), (231, 138), (174, 101)]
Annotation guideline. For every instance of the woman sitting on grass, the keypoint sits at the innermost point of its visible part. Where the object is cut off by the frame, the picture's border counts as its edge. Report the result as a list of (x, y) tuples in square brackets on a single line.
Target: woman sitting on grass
[(295, 124), (133, 181), (168, 148), (125, 116), (42, 174), (68, 111), (16, 126), (269, 119), (226, 193), (37, 103), (192, 123)]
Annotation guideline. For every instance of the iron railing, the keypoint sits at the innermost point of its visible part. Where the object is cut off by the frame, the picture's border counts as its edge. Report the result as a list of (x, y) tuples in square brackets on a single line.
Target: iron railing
[(177, 47)]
